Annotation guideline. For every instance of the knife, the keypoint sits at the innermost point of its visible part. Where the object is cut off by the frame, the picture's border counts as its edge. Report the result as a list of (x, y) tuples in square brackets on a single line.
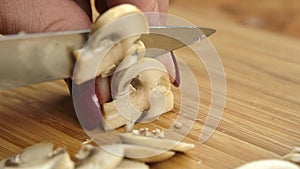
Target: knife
[(33, 58)]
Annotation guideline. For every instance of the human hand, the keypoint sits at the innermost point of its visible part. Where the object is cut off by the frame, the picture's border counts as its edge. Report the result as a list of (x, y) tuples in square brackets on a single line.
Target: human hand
[(59, 15)]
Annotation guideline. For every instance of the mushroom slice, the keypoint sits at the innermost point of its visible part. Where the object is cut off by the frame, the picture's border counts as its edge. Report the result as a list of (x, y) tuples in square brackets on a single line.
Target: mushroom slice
[(36, 152), (146, 154), (91, 157), (48, 159), (63, 160), (130, 164), (116, 35), (293, 156), (161, 143), (144, 88), (269, 164)]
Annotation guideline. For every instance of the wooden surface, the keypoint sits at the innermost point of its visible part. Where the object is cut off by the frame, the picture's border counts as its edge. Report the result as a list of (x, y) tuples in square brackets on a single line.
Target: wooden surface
[(278, 16), (261, 117)]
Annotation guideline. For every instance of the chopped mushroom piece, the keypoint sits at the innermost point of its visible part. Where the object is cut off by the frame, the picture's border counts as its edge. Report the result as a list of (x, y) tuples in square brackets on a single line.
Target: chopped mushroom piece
[(39, 156), (293, 156), (115, 51), (131, 164), (269, 164), (145, 154), (161, 143), (91, 157), (116, 35), (140, 92)]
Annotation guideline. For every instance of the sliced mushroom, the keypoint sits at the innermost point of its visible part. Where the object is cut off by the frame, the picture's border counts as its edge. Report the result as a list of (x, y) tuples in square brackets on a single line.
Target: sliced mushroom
[(39, 156), (36, 152), (130, 164), (161, 143), (91, 157), (115, 35), (269, 164), (293, 156), (145, 154), (143, 88)]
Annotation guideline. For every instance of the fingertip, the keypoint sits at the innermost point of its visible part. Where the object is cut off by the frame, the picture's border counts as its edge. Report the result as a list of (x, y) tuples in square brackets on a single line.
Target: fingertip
[(42, 16), (85, 5), (68, 16)]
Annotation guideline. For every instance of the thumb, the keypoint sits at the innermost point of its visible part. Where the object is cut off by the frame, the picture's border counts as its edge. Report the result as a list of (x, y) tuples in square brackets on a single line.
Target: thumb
[(41, 16)]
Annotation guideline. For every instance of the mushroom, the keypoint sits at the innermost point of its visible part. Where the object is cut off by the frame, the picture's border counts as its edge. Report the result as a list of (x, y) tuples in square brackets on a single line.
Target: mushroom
[(115, 53), (114, 36), (131, 164), (39, 156), (91, 157), (145, 154), (293, 156), (161, 143), (269, 164), (141, 92)]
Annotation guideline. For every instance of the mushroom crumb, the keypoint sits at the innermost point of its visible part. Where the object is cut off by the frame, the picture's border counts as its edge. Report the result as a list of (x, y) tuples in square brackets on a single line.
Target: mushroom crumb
[(157, 133), (178, 125)]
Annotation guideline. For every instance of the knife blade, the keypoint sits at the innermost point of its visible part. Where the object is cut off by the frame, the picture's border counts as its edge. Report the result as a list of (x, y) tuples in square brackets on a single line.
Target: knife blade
[(33, 58)]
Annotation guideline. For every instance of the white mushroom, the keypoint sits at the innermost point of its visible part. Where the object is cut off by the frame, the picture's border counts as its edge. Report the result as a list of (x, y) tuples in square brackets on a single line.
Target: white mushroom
[(115, 49), (115, 35), (141, 91), (145, 154), (39, 156), (91, 157), (131, 164), (293, 156), (161, 143), (269, 164)]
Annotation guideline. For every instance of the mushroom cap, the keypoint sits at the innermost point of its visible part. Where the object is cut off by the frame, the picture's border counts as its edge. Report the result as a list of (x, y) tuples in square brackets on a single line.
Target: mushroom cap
[(114, 36)]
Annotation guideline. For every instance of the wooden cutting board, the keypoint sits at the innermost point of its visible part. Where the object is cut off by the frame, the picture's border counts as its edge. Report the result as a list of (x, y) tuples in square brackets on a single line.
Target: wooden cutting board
[(261, 117)]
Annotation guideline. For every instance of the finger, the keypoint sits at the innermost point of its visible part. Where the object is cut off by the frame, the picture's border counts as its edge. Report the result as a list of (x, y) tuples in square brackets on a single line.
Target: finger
[(41, 16), (85, 5), (154, 9), (144, 5)]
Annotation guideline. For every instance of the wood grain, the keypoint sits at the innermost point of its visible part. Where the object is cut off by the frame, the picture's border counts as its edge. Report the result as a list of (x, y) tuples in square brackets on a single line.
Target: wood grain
[(279, 16), (261, 117)]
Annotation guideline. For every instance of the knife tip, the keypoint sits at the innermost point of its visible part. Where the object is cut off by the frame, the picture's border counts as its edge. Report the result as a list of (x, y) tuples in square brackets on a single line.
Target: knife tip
[(207, 31)]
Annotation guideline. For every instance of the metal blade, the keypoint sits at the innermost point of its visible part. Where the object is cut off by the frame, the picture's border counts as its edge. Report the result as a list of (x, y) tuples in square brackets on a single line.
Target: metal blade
[(163, 39), (32, 58)]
